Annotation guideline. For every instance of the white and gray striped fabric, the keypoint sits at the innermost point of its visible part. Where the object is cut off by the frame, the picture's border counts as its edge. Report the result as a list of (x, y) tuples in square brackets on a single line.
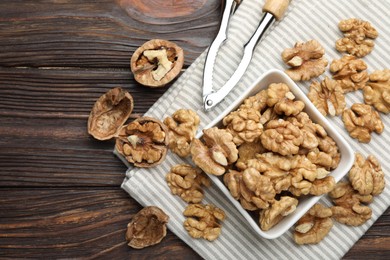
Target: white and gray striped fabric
[(304, 20)]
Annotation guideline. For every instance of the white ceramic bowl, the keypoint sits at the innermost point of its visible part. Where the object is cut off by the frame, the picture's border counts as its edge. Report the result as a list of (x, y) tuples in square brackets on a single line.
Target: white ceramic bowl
[(346, 162)]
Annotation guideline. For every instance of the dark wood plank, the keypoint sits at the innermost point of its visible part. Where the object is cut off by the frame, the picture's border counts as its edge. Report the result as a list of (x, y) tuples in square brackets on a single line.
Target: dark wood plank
[(66, 93), (78, 33), (48, 223)]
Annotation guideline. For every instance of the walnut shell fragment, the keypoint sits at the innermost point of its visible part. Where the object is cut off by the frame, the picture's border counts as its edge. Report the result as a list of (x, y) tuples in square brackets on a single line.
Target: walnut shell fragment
[(157, 62), (109, 113), (357, 37), (143, 142), (147, 227), (305, 59), (327, 96), (314, 225), (377, 91), (350, 72), (361, 120)]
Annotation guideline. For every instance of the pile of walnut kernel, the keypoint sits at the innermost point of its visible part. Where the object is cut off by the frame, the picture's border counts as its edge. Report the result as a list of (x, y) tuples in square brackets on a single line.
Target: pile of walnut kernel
[(349, 74), (270, 154)]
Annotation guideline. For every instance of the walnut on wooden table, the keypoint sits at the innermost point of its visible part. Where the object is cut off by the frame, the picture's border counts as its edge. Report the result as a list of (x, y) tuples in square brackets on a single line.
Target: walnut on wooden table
[(147, 227)]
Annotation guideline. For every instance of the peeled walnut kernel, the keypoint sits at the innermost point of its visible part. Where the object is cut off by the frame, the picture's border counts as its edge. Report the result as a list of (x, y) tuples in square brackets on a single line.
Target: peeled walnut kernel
[(348, 209), (218, 151), (357, 37), (182, 128), (157, 62), (260, 185), (361, 120), (282, 137), (281, 98), (147, 227), (248, 151), (143, 142), (306, 60), (203, 221), (109, 113), (327, 96), (186, 182), (257, 102), (377, 91), (350, 72), (366, 175), (313, 226), (279, 209), (244, 125)]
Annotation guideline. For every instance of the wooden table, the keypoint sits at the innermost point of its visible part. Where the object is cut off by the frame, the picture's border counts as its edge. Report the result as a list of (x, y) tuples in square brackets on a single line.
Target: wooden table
[(60, 192)]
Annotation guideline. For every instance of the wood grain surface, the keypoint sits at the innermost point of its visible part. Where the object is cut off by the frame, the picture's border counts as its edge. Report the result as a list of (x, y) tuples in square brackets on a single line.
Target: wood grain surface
[(60, 194)]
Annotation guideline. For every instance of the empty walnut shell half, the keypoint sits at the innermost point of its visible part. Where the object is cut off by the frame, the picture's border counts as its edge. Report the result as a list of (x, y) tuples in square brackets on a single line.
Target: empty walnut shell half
[(147, 227), (156, 63), (143, 142), (109, 113)]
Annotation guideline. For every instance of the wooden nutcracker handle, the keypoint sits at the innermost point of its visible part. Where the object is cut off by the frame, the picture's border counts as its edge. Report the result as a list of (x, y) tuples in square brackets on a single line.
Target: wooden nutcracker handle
[(276, 7)]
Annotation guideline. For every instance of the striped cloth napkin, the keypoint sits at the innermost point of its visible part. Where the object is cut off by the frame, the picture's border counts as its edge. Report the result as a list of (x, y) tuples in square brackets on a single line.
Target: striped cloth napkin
[(304, 20)]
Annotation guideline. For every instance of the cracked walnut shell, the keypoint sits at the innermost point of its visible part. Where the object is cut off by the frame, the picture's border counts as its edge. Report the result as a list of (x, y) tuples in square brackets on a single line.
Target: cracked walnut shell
[(143, 142), (327, 96), (366, 175), (306, 60), (157, 62), (147, 227), (282, 137), (377, 91), (313, 226), (203, 221), (279, 209), (182, 128), (109, 113), (349, 209), (244, 125), (355, 40), (350, 72), (361, 120), (218, 151), (187, 181)]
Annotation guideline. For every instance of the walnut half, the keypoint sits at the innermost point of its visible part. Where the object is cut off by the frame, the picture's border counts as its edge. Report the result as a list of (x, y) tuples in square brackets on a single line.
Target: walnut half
[(157, 62), (147, 227), (143, 142), (305, 59), (377, 91)]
